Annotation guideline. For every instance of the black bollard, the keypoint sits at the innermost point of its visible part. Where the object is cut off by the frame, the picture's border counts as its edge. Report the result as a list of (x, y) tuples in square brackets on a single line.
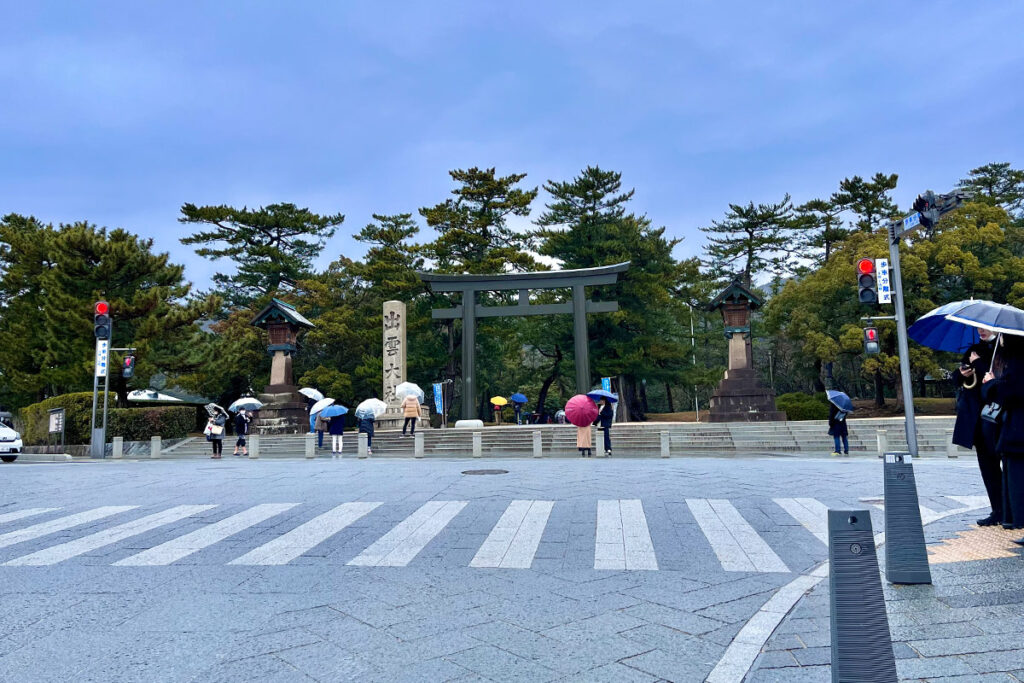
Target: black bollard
[(906, 558), (861, 643)]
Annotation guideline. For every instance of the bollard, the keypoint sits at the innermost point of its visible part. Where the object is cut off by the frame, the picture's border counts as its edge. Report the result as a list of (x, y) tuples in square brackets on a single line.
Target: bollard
[(117, 446), (951, 451), (906, 557), (254, 446), (310, 446), (363, 447), (665, 445), (478, 445), (883, 442), (538, 450), (154, 447), (417, 441), (861, 643)]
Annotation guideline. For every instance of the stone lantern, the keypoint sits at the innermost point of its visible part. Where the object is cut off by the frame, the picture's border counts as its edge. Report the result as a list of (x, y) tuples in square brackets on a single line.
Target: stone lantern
[(284, 409), (741, 396)]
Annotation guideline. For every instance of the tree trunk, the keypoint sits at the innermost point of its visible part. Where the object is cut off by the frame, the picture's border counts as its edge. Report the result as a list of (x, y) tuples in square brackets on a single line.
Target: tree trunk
[(819, 386), (671, 403), (630, 395), (623, 413), (549, 380), (643, 397), (879, 390)]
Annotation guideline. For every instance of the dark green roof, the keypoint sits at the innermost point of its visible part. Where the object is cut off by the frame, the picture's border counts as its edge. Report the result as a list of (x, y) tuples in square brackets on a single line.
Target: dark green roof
[(735, 293), (280, 311)]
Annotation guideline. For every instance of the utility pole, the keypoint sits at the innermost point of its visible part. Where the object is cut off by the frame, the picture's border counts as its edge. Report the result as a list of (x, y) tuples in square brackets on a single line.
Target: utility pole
[(102, 329), (927, 210)]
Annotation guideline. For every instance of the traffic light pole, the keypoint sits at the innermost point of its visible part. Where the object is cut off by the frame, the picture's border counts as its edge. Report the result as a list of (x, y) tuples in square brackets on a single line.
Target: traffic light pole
[(901, 337)]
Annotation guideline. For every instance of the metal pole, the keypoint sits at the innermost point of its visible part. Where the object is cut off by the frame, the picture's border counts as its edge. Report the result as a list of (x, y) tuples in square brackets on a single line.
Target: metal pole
[(468, 352), (901, 336), (581, 343), (693, 352)]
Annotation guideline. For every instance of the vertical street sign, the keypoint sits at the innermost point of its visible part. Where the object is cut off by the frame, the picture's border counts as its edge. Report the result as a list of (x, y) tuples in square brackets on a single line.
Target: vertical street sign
[(438, 398), (606, 383), (102, 356), (884, 284)]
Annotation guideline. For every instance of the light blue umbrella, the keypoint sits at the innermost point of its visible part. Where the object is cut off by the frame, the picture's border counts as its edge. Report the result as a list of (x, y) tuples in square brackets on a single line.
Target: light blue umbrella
[(840, 400), (1001, 318), (601, 393), (333, 411), (936, 331)]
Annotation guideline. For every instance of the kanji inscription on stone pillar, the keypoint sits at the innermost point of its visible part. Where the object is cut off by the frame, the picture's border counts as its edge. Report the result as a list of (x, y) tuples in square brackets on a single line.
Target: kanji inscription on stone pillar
[(394, 349)]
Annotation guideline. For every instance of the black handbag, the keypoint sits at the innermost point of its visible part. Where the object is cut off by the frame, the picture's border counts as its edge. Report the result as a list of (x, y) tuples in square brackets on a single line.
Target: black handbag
[(992, 412)]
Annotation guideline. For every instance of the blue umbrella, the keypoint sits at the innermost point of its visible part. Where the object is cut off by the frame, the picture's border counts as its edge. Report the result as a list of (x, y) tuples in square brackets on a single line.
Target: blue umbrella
[(601, 393), (1001, 318), (840, 400), (333, 411), (936, 331), (518, 398)]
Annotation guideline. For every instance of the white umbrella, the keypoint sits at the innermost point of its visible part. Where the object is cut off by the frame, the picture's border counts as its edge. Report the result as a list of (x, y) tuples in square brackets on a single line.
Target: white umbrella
[(406, 388), (245, 403), (371, 407), (321, 404), (151, 395), (309, 392)]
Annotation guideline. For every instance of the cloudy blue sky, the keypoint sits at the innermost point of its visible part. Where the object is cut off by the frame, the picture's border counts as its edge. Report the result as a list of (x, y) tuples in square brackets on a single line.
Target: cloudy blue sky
[(119, 112)]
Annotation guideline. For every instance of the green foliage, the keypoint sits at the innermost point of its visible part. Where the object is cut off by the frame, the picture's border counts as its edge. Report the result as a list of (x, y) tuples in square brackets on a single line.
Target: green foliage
[(751, 239), (800, 406), (35, 418), (869, 200), (139, 424), (997, 184), (271, 245)]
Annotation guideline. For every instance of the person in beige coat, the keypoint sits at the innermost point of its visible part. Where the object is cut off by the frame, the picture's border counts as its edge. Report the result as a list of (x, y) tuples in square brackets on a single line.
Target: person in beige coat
[(411, 410), (583, 441)]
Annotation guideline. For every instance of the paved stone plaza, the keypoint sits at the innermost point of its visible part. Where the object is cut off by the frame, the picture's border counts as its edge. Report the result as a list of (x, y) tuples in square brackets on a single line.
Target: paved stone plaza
[(589, 570)]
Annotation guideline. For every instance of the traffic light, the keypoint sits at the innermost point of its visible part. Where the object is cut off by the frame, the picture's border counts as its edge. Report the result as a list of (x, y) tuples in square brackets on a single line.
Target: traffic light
[(101, 320), (867, 282), (128, 371), (871, 340), (927, 205)]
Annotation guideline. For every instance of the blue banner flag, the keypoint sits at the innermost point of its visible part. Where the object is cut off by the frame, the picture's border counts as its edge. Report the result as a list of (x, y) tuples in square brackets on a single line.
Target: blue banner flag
[(438, 398), (606, 383)]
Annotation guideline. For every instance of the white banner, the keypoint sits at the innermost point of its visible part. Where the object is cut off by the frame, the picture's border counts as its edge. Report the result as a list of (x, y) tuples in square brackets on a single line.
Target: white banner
[(884, 285), (102, 356)]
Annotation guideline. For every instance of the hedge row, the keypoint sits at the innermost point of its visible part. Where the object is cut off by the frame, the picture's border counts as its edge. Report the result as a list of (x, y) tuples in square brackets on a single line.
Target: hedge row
[(799, 406), (133, 424)]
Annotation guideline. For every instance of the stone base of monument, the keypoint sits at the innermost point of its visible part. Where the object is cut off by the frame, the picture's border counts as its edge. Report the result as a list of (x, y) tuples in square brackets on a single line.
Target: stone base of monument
[(395, 418), (283, 412), (741, 397)]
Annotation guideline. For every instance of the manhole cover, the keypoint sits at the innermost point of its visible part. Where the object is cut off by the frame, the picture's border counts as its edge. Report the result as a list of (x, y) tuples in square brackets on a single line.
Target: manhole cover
[(485, 472)]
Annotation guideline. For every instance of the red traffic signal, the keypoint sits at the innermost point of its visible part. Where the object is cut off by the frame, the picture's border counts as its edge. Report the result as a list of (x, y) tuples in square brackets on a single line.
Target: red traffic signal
[(867, 286), (101, 320), (102, 308), (866, 266), (129, 367), (871, 345)]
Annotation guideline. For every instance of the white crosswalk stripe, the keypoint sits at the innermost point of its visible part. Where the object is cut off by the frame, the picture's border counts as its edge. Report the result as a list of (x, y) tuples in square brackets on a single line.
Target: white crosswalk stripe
[(513, 541), (623, 540), (400, 545), (305, 537), (61, 524), (186, 545), (22, 514), (101, 539), (812, 514), (737, 545)]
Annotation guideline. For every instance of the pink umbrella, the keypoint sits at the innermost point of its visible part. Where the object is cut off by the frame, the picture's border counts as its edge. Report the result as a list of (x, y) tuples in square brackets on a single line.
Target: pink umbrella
[(581, 411)]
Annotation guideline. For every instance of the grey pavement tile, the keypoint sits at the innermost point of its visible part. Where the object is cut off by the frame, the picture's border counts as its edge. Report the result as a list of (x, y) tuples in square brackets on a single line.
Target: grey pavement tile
[(671, 666), (933, 666), (251, 645), (325, 661), (973, 678), (808, 674), (263, 668), (679, 619), (951, 630), (813, 655), (775, 660), (1009, 660), (903, 651), (610, 673), (968, 645), (592, 628), (499, 665), (785, 641)]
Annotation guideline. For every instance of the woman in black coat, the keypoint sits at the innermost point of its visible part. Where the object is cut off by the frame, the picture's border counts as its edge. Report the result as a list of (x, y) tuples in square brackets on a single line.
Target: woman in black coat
[(604, 419), (241, 429), (1005, 386), (970, 431), (837, 429)]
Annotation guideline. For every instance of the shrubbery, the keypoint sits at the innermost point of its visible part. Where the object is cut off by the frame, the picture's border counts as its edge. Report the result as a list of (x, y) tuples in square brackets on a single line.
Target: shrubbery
[(133, 424), (800, 406)]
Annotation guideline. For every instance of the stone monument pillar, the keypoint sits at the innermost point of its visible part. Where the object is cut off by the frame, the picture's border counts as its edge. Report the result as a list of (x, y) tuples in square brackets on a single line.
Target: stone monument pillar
[(741, 397), (394, 349), (284, 410)]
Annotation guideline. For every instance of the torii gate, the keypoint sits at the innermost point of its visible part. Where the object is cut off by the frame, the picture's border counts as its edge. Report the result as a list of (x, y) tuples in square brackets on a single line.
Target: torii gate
[(470, 310)]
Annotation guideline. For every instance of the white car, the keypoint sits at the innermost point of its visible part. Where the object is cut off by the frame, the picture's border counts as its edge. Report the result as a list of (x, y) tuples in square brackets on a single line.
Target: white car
[(10, 444)]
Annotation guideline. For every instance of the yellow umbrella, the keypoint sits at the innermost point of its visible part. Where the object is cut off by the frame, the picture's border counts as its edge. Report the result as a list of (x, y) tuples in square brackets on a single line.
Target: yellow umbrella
[(499, 400)]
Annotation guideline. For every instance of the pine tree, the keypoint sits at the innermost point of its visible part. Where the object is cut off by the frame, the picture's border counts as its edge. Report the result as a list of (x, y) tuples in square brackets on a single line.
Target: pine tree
[(997, 184), (821, 230), (869, 200), (750, 240)]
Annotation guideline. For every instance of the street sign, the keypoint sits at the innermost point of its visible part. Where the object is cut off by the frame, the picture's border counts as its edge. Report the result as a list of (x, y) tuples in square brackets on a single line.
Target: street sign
[(438, 398), (911, 221), (884, 284), (102, 356), (606, 383)]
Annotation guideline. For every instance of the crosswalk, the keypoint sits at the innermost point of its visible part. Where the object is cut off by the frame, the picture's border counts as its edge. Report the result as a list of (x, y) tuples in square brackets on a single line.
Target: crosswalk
[(620, 533)]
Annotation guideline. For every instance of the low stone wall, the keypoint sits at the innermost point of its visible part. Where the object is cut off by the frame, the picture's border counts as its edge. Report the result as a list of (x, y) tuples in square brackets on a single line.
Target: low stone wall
[(131, 448)]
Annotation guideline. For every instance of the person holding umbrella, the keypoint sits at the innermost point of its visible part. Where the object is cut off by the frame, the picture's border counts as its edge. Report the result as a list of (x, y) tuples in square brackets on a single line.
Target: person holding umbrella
[(839, 406), (970, 431), (241, 429), (411, 411), (336, 426), (518, 401), (581, 411), (215, 432), (605, 415), (1003, 390), (366, 415)]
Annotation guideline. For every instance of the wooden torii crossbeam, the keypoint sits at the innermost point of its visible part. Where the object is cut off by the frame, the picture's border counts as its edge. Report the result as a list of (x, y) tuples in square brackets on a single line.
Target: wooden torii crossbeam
[(470, 310)]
